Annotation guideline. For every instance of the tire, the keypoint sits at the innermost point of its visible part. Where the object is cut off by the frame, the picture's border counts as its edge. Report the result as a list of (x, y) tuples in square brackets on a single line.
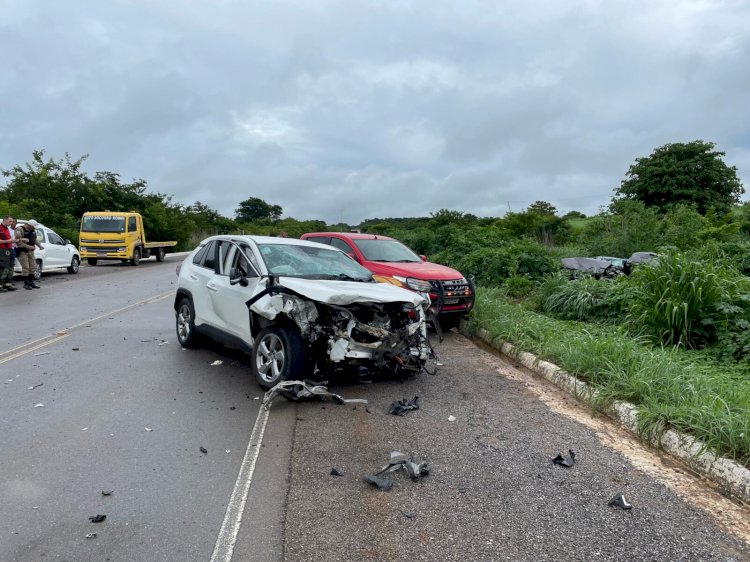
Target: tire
[(159, 254), (38, 270), (92, 261), (185, 324), (75, 265), (136, 259), (278, 355)]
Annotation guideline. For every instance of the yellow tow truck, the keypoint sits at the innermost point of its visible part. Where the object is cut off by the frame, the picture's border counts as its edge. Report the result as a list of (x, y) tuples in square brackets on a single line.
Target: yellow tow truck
[(109, 235)]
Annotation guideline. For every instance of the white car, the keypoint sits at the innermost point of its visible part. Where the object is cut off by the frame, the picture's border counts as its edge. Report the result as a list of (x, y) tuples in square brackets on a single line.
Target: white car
[(300, 308), (57, 253)]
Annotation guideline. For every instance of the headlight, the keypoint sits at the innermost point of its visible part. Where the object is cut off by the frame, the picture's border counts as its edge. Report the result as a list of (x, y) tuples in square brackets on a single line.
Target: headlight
[(84, 249), (415, 284), (122, 249)]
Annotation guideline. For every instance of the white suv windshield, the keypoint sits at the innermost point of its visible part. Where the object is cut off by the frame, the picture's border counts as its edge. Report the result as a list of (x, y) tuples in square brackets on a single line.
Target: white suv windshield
[(311, 263), (386, 250)]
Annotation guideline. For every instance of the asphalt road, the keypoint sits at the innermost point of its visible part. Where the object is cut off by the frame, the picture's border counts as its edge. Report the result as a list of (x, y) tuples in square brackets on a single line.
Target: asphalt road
[(102, 346)]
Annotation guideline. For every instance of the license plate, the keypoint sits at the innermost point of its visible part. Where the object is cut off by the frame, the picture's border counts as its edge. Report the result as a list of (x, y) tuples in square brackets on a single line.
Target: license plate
[(450, 301)]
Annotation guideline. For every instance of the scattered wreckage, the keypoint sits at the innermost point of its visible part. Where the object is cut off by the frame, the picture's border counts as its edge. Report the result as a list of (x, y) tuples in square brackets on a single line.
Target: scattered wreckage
[(606, 267), (300, 308)]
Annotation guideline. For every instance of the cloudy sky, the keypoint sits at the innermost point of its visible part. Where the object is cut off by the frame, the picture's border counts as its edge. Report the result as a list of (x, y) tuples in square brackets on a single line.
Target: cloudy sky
[(343, 110)]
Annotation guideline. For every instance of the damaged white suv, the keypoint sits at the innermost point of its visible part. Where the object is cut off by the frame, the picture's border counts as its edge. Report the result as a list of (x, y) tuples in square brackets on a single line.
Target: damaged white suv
[(298, 307)]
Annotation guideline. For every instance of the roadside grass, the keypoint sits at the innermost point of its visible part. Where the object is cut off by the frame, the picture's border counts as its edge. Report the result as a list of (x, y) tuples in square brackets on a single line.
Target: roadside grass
[(671, 387)]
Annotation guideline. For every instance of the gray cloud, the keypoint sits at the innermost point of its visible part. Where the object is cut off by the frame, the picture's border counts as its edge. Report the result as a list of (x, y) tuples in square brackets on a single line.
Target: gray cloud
[(345, 110)]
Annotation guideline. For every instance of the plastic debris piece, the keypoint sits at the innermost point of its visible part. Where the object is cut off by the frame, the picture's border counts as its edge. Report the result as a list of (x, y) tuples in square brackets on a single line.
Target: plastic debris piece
[(227, 451), (90, 535), (439, 364), (621, 502), (451, 418), (232, 407), (41, 353), (148, 429), (76, 348), (97, 518), (204, 450), (402, 407), (162, 342), (35, 386), (107, 492), (407, 514), (335, 472), (217, 362), (84, 429), (382, 483), (562, 461), (305, 390), (40, 405)]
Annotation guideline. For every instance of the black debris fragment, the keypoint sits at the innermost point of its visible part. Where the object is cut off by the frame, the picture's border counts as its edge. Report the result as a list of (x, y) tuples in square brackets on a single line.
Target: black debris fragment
[(107, 492), (204, 450), (621, 502), (407, 514), (403, 406), (97, 518), (335, 472), (382, 483), (398, 461), (562, 461), (232, 407)]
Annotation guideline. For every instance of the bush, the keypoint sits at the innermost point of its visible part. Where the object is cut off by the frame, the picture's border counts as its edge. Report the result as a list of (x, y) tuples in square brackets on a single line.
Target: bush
[(585, 299)]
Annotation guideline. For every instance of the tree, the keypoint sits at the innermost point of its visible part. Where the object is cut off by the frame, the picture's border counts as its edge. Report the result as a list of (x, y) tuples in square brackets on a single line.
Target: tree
[(542, 208), (692, 173), (254, 208)]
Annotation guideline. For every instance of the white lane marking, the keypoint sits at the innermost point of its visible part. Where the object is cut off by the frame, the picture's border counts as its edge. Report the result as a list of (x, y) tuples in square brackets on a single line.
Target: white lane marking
[(233, 518)]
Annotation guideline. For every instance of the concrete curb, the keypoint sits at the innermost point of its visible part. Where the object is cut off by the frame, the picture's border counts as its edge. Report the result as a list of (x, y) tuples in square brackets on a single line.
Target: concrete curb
[(728, 474)]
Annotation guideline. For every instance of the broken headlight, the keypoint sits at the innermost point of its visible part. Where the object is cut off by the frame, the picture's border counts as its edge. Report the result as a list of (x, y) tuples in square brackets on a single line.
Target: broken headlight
[(414, 284)]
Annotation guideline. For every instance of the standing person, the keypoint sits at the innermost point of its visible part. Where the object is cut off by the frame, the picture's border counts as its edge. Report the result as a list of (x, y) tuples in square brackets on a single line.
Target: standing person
[(25, 242), (7, 256)]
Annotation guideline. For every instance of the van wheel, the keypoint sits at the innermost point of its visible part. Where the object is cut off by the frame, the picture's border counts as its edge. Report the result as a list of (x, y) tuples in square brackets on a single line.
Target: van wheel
[(92, 261), (136, 259), (160, 254), (75, 265), (185, 324), (38, 270), (278, 355)]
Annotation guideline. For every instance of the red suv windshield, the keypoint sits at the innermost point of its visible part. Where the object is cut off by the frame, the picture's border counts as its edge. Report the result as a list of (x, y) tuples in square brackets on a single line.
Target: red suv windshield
[(386, 250)]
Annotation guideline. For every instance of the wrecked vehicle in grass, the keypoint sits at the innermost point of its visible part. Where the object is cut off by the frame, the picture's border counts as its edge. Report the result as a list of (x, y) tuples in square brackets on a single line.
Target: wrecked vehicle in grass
[(593, 266), (298, 308)]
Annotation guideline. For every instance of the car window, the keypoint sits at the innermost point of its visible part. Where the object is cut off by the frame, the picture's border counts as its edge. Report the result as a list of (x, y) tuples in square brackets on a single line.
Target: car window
[(131, 224), (200, 254), (319, 239), (55, 239), (210, 258), (341, 245), (386, 250), (311, 262), (225, 247), (40, 235), (237, 259)]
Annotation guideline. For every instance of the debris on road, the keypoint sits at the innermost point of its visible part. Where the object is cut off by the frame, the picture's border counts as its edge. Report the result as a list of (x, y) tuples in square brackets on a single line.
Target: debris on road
[(97, 518), (76, 348), (451, 418), (40, 405), (90, 535), (398, 461), (621, 502), (35, 386), (303, 390), (41, 353), (562, 461), (107, 492), (335, 472), (162, 342), (407, 514), (403, 406), (217, 362), (204, 450), (148, 429)]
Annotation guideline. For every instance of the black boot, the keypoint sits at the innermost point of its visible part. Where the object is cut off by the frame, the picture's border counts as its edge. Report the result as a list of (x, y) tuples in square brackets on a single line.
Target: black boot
[(26, 283), (9, 287), (32, 284)]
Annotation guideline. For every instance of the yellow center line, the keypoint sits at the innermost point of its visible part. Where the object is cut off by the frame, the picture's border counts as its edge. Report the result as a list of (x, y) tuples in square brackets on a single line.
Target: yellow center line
[(26, 348)]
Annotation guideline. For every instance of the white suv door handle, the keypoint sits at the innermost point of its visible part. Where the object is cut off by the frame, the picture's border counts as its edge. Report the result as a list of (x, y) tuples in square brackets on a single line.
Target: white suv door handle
[(212, 287), (193, 278)]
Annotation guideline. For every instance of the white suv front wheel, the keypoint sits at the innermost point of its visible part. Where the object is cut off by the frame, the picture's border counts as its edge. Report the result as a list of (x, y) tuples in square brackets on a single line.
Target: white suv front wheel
[(278, 355)]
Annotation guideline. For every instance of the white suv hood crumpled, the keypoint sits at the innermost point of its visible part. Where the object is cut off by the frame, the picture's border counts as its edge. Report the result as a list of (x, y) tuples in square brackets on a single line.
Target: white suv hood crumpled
[(336, 292)]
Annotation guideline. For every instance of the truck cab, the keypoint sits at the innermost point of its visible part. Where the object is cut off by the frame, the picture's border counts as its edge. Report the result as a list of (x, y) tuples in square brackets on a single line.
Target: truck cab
[(120, 236)]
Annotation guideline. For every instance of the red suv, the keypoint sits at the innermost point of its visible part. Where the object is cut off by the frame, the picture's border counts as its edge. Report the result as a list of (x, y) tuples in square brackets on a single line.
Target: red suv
[(390, 261)]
